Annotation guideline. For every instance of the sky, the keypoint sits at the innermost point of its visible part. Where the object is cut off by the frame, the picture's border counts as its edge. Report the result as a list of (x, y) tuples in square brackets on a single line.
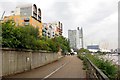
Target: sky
[(98, 18)]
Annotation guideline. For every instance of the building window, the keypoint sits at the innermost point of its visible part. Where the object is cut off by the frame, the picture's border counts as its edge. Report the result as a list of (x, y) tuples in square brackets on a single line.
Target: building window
[(26, 23), (26, 19)]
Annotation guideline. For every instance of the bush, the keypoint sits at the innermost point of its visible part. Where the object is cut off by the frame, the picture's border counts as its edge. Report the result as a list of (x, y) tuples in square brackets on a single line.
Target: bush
[(27, 37), (82, 57), (106, 66), (83, 50), (63, 43)]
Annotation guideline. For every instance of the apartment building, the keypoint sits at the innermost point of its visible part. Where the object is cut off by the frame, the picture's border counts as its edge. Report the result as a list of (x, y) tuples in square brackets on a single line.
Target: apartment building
[(27, 15), (48, 30), (52, 30)]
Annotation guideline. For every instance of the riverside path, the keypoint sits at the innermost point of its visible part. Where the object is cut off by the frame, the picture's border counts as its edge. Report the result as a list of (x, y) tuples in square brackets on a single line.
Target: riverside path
[(66, 67)]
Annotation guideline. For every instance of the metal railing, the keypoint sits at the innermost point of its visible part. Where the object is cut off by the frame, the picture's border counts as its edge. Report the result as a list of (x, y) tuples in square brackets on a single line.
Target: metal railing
[(94, 73)]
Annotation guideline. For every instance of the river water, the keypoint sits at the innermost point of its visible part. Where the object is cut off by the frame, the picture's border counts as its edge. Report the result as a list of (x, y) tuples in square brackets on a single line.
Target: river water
[(111, 57)]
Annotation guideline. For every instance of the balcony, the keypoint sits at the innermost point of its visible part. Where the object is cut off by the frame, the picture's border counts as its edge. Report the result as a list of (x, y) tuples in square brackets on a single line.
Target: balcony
[(26, 19), (39, 18), (44, 30), (34, 9), (48, 33), (26, 23), (34, 16), (35, 12)]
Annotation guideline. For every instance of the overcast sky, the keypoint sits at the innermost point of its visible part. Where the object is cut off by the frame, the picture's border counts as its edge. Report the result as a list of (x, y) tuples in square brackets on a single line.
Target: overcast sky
[(98, 18)]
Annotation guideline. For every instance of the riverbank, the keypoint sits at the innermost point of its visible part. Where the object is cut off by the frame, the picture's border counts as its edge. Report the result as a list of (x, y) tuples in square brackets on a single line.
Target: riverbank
[(111, 57)]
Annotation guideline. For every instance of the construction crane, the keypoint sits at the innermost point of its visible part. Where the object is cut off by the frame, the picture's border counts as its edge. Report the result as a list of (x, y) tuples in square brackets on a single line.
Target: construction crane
[(2, 16)]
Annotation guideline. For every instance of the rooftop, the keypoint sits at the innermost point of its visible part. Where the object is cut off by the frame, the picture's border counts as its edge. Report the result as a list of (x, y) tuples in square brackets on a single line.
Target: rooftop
[(24, 5)]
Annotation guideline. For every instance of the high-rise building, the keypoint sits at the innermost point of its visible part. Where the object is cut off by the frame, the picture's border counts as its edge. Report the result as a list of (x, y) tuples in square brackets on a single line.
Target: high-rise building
[(76, 38), (72, 38), (27, 14)]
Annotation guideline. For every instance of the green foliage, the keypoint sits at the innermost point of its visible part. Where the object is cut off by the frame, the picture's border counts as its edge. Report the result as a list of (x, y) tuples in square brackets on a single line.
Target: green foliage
[(83, 50), (8, 32), (63, 43), (106, 66), (27, 37), (18, 37), (53, 45), (82, 57)]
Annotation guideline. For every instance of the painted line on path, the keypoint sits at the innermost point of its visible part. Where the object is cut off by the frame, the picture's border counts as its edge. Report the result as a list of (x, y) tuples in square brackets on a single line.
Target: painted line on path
[(54, 71)]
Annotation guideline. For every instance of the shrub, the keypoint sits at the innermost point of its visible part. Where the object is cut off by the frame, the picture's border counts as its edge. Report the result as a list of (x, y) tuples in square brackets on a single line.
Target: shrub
[(82, 57), (27, 37), (106, 66)]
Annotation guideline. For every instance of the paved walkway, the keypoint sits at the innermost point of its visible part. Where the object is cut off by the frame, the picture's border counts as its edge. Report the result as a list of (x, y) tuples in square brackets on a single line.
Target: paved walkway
[(67, 67)]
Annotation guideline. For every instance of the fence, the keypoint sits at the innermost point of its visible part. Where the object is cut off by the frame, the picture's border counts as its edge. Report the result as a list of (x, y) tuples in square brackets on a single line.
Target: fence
[(94, 73), (16, 61)]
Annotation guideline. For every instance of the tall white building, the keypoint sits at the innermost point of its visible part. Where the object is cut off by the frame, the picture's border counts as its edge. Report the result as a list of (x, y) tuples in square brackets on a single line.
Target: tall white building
[(72, 38), (75, 38)]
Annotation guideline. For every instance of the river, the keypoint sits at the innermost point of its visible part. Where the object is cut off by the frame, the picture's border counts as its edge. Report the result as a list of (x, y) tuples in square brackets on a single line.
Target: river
[(111, 57)]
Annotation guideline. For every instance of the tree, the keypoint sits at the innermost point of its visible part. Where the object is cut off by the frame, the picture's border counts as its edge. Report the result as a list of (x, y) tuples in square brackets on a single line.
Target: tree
[(20, 36), (27, 37), (83, 50), (63, 43), (8, 32)]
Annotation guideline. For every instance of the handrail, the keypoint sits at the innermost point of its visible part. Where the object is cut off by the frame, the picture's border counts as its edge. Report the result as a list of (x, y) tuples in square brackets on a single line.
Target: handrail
[(94, 72)]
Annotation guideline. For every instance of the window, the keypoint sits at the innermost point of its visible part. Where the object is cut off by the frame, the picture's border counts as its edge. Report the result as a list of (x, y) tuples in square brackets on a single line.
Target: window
[(26, 23)]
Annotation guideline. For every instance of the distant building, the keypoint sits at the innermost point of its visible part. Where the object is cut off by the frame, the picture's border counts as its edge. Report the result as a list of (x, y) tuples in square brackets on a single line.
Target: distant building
[(93, 48), (51, 30), (72, 38), (105, 50), (27, 14), (75, 38)]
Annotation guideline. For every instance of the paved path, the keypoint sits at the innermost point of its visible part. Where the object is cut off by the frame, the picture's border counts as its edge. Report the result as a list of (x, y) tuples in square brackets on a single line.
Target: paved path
[(67, 67)]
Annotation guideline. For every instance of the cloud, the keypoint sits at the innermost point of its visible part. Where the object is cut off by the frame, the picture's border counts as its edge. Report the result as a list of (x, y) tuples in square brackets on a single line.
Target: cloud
[(97, 17), (104, 31), (7, 7)]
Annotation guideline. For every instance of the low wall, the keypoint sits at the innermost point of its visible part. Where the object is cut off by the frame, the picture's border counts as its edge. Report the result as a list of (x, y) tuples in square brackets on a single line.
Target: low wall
[(16, 61)]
